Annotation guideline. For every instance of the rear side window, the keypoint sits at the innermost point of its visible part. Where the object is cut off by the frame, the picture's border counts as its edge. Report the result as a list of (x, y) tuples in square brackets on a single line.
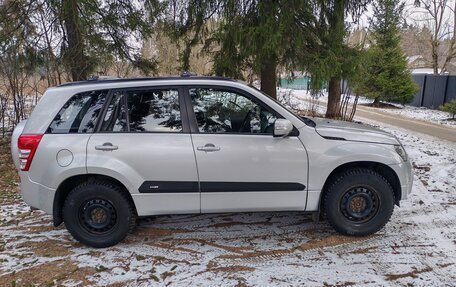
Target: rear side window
[(115, 119), (151, 110), (79, 114)]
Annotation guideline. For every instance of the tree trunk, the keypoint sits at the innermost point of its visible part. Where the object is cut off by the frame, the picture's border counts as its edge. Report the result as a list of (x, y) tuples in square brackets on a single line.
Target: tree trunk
[(435, 57), (74, 54), (337, 32), (269, 78), (332, 110), (3, 111), (376, 102)]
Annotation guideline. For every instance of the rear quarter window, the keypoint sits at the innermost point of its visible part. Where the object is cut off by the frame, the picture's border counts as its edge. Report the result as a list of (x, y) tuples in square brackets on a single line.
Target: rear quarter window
[(79, 114)]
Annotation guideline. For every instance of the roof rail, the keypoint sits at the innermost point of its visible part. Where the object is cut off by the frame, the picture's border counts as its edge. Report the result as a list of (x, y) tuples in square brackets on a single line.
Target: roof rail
[(103, 80), (99, 78)]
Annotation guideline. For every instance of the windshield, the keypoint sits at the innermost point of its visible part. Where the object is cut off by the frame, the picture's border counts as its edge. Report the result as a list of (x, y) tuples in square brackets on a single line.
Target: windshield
[(305, 120)]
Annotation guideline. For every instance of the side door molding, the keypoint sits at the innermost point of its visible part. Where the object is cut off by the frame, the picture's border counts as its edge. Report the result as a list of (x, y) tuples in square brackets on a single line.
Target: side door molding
[(217, 186)]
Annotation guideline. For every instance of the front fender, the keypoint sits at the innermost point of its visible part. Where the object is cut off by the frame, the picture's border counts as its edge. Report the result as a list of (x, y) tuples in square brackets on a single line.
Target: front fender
[(324, 161)]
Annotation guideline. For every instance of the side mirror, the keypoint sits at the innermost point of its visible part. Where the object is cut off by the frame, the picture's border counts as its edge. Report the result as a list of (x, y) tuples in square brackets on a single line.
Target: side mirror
[(282, 128)]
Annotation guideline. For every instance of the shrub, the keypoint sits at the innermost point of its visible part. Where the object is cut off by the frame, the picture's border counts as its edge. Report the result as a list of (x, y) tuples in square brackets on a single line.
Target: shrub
[(450, 108)]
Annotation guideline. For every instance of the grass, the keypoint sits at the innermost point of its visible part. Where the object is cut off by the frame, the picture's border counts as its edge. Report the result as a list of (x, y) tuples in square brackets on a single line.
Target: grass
[(9, 179)]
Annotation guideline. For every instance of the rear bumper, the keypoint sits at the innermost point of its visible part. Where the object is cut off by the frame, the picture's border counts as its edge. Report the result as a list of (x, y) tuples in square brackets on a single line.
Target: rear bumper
[(35, 194)]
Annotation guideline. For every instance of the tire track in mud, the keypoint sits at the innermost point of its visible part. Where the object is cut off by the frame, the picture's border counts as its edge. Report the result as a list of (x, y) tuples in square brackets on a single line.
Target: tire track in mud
[(206, 221), (237, 233), (235, 241), (257, 255)]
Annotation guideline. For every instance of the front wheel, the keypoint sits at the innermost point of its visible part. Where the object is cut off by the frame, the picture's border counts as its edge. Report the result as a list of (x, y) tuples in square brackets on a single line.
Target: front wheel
[(358, 202), (98, 214)]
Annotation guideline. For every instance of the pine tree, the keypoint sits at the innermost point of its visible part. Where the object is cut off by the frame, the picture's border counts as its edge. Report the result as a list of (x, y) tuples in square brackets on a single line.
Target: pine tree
[(386, 75), (450, 108)]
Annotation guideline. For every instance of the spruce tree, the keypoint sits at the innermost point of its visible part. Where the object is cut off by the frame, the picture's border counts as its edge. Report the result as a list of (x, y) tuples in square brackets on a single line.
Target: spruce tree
[(92, 29), (264, 35), (327, 57), (387, 77), (79, 34)]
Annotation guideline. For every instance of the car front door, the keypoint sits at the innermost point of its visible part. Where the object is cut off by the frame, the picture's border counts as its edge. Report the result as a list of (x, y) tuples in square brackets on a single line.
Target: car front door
[(143, 141), (241, 165)]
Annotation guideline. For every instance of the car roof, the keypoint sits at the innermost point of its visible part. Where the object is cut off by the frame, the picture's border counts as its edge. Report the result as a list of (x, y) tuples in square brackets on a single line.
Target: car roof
[(106, 80)]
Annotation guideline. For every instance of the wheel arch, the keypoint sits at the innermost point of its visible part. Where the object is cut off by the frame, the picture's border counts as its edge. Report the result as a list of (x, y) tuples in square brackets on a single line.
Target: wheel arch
[(384, 170), (66, 186)]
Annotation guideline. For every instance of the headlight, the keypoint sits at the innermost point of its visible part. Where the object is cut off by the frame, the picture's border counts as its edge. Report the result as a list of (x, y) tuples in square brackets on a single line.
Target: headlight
[(401, 152)]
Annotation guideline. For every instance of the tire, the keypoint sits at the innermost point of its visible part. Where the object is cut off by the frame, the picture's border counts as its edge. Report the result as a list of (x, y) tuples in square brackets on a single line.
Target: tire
[(98, 214), (358, 202)]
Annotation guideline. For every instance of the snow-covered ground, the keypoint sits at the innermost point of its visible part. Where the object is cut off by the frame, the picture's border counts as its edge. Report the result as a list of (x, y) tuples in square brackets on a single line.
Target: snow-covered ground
[(302, 100), (423, 114), (417, 248)]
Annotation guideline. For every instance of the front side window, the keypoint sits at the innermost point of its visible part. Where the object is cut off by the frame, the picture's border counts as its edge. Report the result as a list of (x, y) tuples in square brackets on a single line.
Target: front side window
[(222, 111), (154, 110), (79, 114)]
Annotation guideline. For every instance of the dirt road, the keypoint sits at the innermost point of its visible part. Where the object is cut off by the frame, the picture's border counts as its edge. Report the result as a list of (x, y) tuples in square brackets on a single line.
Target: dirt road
[(435, 130)]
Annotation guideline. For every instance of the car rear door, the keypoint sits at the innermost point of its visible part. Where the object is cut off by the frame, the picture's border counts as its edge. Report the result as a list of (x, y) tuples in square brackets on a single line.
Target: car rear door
[(241, 166), (143, 141)]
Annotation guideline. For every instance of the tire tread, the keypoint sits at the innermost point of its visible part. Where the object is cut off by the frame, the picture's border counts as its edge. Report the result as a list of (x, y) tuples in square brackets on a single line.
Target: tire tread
[(337, 180), (114, 188)]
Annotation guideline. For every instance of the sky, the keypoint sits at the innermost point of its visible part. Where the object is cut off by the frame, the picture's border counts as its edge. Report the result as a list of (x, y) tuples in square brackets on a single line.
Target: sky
[(414, 15)]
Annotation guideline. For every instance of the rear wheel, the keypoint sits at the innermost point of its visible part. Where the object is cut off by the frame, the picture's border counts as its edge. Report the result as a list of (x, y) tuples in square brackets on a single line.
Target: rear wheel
[(358, 202), (98, 214)]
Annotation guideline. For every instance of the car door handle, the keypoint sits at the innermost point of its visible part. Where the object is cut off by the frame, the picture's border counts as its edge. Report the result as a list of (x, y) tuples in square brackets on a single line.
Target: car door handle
[(208, 148), (106, 146)]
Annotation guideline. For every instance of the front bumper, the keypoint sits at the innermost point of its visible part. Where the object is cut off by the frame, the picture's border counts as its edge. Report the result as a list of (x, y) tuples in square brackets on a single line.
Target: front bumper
[(405, 174), (35, 194)]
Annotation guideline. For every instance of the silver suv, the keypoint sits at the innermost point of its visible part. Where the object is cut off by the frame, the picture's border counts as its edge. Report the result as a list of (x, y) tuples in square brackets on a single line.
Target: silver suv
[(98, 154)]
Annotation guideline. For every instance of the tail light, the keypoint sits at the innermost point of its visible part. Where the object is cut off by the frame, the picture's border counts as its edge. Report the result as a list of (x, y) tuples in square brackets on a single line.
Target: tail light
[(27, 145)]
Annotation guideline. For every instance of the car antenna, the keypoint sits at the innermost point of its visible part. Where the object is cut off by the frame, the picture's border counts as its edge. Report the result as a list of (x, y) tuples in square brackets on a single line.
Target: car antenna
[(187, 74)]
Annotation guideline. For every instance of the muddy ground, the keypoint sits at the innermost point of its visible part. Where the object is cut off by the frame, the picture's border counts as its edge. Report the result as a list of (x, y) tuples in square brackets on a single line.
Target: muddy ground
[(417, 248)]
